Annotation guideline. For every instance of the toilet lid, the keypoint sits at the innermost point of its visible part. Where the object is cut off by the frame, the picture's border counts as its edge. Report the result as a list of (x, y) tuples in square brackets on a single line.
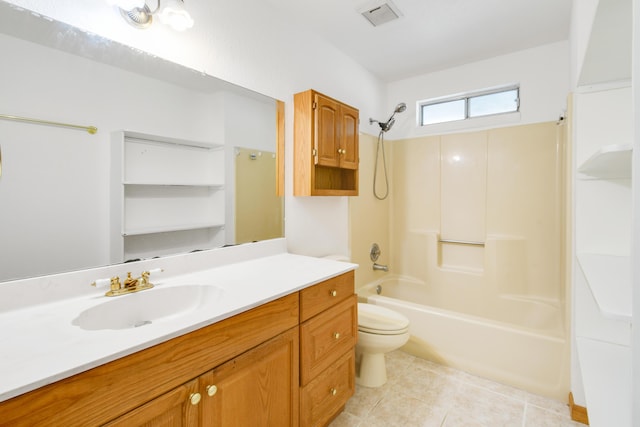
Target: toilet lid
[(375, 319)]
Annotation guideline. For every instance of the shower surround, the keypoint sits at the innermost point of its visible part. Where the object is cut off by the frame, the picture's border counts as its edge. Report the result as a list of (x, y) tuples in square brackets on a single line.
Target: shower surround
[(477, 226)]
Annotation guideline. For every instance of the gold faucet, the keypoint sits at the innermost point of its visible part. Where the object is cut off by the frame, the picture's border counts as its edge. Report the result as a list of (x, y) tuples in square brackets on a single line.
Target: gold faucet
[(130, 284)]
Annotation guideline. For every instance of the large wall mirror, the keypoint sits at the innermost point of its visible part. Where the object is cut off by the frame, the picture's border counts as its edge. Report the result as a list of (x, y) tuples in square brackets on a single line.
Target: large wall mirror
[(56, 183)]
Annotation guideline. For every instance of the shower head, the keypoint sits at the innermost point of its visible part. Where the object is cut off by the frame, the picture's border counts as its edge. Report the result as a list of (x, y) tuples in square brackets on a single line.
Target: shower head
[(386, 126)]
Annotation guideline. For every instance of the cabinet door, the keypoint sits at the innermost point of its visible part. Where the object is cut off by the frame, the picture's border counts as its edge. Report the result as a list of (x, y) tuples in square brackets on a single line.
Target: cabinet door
[(327, 131), (257, 388), (349, 118), (177, 408)]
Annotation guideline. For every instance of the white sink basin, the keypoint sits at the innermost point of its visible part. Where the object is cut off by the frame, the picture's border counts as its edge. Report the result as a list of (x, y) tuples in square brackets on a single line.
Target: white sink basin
[(149, 306)]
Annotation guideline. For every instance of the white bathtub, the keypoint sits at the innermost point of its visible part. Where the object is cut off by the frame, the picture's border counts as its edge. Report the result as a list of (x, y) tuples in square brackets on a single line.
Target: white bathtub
[(523, 346)]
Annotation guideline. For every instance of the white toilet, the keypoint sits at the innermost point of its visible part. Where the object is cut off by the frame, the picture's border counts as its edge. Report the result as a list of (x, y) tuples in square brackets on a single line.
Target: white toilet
[(380, 330)]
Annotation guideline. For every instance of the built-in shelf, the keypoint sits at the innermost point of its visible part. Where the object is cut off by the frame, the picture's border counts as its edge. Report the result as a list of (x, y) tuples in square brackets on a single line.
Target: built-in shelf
[(606, 374), (171, 228), (165, 190), (174, 184), (609, 278), (609, 162)]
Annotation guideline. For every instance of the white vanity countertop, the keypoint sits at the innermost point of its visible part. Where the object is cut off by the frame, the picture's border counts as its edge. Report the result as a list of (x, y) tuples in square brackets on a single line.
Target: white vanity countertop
[(41, 345)]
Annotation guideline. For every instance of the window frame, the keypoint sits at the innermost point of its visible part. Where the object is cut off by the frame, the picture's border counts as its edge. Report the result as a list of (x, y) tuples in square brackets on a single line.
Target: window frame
[(466, 97)]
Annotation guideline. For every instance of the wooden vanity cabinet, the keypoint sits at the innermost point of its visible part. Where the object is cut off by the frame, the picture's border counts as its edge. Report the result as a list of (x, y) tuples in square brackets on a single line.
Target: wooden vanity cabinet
[(157, 383), (326, 146), (257, 388), (328, 334), (288, 362)]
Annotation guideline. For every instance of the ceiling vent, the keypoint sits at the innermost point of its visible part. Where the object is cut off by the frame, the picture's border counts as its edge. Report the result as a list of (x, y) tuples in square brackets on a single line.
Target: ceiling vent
[(381, 13)]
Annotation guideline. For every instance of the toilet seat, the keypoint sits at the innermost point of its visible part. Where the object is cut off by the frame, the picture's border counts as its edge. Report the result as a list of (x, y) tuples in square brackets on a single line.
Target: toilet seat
[(378, 320)]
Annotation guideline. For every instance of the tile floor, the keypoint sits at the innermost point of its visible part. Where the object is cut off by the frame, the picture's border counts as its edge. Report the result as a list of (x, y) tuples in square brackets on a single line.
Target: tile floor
[(425, 394)]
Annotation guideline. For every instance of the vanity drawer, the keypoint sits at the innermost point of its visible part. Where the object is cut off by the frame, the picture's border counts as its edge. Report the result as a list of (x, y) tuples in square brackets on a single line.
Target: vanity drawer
[(323, 397), (326, 336), (322, 296)]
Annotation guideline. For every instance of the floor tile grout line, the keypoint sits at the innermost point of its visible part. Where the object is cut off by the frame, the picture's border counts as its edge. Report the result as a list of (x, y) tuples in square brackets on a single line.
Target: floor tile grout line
[(527, 402)]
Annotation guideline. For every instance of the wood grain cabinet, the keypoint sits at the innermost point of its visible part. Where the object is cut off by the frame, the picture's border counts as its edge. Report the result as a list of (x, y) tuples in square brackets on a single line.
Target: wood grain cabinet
[(325, 146), (328, 334), (177, 408), (288, 362), (257, 388)]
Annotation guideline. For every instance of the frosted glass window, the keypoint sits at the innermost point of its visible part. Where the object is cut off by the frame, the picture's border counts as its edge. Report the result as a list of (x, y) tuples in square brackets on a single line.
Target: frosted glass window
[(443, 112), (477, 104), (493, 103)]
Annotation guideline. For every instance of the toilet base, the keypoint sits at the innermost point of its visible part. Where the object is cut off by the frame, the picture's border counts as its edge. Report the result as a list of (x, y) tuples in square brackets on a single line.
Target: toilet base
[(373, 371)]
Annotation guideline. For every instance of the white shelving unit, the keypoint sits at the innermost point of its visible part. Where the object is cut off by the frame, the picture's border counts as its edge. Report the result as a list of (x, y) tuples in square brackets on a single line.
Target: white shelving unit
[(167, 191), (604, 325)]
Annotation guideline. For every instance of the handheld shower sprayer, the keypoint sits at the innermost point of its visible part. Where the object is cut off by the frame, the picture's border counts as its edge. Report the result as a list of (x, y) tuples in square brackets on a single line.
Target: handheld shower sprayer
[(384, 127)]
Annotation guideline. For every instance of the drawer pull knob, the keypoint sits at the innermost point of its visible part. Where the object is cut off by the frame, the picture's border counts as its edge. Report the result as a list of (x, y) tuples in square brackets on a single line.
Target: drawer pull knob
[(333, 293), (195, 398), (336, 335), (212, 390), (334, 391)]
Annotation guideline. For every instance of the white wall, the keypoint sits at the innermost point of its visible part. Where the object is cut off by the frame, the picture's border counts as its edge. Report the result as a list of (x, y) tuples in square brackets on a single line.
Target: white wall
[(635, 226), (582, 15), (543, 74), (247, 124), (249, 44)]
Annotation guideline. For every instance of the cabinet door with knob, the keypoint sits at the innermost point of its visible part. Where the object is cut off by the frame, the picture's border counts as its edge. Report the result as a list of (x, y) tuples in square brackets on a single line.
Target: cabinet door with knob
[(336, 139), (257, 388), (176, 408), (349, 118)]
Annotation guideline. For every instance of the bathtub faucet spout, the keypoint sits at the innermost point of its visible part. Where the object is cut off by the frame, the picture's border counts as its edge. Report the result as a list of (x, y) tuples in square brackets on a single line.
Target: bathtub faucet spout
[(377, 266)]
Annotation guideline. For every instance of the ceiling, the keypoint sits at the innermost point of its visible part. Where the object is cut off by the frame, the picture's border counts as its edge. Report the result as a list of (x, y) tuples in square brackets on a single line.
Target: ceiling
[(431, 35)]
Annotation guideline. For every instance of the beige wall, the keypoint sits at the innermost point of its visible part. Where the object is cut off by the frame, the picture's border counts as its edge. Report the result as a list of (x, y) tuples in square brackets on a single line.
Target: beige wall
[(501, 188), (256, 186), (368, 216)]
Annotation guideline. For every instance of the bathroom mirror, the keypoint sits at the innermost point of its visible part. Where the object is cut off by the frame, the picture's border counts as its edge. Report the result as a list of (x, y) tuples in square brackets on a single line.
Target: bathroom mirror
[(55, 181)]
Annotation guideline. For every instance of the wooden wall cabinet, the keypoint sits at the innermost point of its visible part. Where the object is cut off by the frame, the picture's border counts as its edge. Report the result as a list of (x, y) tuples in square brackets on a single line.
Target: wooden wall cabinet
[(258, 368), (325, 146)]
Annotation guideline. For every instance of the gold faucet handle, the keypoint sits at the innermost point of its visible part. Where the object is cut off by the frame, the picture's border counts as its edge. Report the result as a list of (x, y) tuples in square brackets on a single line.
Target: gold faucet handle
[(113, 283), (100, 283), (144, 276)]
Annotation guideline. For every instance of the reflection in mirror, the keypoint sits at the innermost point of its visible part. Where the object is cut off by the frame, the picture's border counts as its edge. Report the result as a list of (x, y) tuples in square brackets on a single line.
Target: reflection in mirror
[(56, 211)]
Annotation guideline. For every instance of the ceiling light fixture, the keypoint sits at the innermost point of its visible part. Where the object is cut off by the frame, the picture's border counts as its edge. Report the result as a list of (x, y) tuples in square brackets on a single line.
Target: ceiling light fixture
[(175, 15), (139, 15)]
